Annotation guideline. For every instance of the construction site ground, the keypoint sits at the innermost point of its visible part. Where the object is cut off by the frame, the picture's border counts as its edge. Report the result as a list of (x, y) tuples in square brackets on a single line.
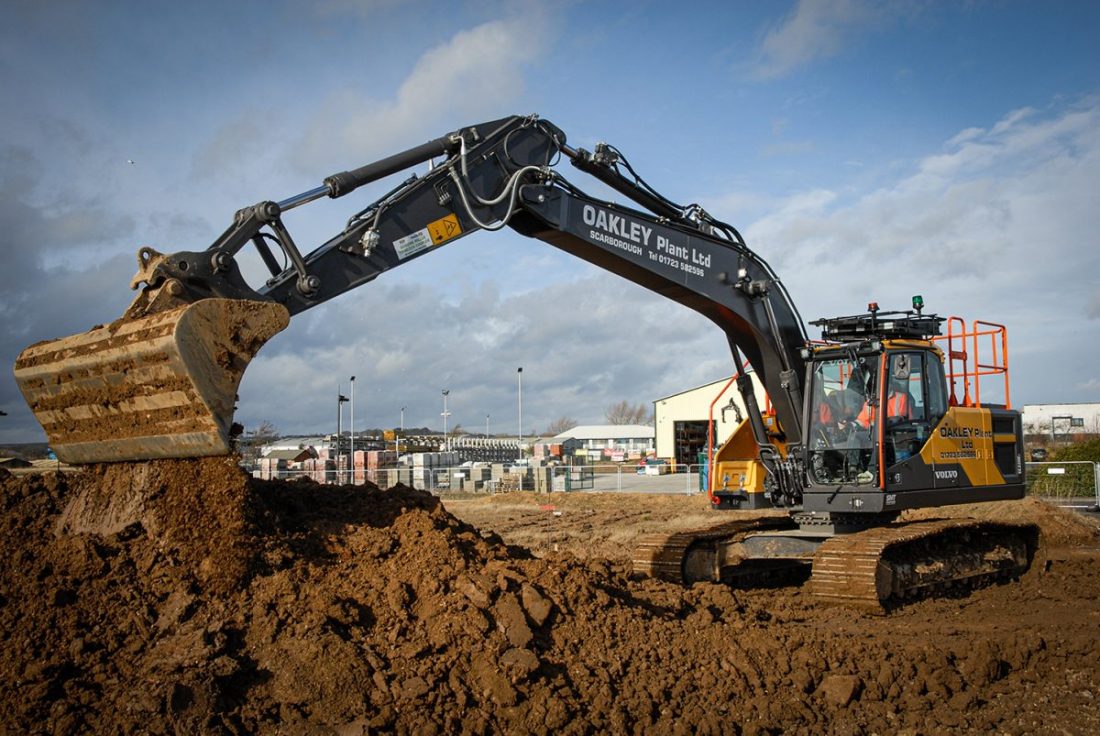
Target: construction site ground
[(182, 597)]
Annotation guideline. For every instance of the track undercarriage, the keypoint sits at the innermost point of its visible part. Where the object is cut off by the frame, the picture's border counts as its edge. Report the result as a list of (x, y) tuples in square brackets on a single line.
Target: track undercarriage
[(873, 569)]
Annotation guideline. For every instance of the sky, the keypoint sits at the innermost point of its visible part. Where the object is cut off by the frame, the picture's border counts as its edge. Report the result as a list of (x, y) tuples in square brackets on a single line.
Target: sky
[(869, 150)]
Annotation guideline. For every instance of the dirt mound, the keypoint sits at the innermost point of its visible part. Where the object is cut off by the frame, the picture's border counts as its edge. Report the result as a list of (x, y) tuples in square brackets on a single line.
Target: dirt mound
[(181, 597)]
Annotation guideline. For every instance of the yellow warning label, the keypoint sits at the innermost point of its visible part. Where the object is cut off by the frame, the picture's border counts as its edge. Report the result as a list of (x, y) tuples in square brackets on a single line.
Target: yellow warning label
[(444, 229)]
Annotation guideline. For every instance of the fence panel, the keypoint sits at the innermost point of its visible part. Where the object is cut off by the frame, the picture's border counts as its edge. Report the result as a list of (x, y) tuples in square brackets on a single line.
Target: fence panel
[(1070, 484), (602, 477)]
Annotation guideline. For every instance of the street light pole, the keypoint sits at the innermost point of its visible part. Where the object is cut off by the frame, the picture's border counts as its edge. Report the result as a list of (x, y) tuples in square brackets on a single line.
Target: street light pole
[(351, 421), (486, 426), (400, 431), (446, 442), (519, 380), (340, 401)]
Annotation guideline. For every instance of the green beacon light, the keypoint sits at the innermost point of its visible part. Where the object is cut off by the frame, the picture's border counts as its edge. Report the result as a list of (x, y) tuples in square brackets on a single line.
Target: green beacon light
[(918, 303)]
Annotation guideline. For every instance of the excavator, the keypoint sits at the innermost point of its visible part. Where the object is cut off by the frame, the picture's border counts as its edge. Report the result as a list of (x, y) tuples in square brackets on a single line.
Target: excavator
[(860, 425)]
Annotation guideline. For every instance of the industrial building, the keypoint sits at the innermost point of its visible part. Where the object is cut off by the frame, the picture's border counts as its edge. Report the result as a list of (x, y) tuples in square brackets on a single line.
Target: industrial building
[(293, 444), (1061, 421), (606, 442), (681, 419)]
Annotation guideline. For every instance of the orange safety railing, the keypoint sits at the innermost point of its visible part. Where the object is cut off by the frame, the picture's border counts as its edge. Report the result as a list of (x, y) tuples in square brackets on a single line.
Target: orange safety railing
[(768, 410), (710, 436), (969, 367)]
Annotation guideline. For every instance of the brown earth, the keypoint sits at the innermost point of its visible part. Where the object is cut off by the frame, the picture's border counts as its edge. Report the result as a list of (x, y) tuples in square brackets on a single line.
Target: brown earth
[(584, 524), (181, 597)]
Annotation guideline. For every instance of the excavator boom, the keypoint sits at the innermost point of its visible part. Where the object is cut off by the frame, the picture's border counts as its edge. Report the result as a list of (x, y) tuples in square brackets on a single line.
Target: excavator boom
[(161, 381)]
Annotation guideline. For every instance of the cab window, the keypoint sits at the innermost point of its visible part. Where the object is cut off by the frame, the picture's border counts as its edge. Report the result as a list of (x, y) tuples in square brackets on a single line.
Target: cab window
[(905, 392), (909, 403), (937, 399)]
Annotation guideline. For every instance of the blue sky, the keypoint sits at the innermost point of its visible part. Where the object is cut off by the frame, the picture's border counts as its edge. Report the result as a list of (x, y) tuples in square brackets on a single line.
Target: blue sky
[(869, 150)]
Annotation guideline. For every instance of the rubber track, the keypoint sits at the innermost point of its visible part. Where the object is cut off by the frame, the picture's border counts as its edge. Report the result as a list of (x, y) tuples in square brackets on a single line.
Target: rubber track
[(849, 569)]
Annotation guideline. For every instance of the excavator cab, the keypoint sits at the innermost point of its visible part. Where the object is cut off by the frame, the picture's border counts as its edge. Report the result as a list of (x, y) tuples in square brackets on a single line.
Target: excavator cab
[(884, 426), (841, 440), (846, 426), (877, 391)]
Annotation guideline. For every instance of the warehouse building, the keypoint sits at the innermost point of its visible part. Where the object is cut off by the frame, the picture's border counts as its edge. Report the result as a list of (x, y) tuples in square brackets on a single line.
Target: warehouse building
[(606, 442), (295, 444), (681, 419), (1061, 421)]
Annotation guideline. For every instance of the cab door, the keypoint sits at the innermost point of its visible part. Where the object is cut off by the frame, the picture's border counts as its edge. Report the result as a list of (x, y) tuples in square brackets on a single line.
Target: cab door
[(913, 401)]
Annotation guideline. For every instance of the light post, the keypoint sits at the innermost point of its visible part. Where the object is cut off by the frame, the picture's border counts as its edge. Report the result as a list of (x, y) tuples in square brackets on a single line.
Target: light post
[(446, 441), (486, 426), (351, 422), (519, 380), (400, 431), (340, 401)]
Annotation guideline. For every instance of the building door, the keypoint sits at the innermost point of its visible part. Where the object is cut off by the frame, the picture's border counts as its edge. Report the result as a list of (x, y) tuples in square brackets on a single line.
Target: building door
[(690, 440)]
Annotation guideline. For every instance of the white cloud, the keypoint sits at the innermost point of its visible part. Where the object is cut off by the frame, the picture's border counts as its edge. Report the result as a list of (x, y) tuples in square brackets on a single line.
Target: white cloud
[(967, 134), (476, 75), (818, 29), (1000, 225)]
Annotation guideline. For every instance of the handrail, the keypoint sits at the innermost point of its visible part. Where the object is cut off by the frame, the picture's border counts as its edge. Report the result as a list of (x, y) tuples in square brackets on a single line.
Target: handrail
[(958, 334), (993, 368), (953, 355), (710, 436)]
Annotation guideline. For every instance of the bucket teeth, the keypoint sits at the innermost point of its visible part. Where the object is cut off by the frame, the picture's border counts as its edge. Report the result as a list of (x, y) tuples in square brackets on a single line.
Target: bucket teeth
[(159, 386)]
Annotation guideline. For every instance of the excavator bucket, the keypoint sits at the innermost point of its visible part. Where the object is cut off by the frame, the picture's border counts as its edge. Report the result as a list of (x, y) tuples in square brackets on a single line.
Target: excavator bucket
[(158, 386)]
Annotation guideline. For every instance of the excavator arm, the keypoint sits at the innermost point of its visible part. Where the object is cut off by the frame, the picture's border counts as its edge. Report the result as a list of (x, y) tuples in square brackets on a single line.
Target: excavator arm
[(484, 177)]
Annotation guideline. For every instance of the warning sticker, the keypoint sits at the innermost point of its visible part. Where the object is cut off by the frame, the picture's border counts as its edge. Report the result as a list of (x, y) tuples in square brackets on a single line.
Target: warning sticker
[(412, 244), (435, 233), (444, 229)]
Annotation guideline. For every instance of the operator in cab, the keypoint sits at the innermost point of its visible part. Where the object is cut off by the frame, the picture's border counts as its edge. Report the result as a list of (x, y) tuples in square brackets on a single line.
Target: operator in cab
[(899, 403)]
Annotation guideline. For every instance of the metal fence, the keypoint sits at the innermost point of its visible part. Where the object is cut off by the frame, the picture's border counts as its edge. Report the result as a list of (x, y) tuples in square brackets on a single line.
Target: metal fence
[(1070, 484), (624, 477), (610, 477)]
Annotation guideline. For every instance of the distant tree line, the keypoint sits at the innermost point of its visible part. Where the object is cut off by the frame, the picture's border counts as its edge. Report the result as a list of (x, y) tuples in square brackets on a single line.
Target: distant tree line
[(622, 412), (626, 413)]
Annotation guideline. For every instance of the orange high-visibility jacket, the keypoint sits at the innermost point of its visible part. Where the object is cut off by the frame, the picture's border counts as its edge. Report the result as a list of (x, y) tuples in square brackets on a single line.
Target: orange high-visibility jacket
[(897, 405)]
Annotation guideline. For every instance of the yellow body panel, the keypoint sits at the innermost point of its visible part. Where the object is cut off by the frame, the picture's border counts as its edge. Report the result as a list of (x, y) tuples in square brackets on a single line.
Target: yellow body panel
[(964, 437), (737, 463)]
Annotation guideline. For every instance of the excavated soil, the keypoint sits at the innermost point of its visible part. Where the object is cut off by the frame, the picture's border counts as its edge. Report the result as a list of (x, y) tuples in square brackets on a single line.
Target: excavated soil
[(182, 597)]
